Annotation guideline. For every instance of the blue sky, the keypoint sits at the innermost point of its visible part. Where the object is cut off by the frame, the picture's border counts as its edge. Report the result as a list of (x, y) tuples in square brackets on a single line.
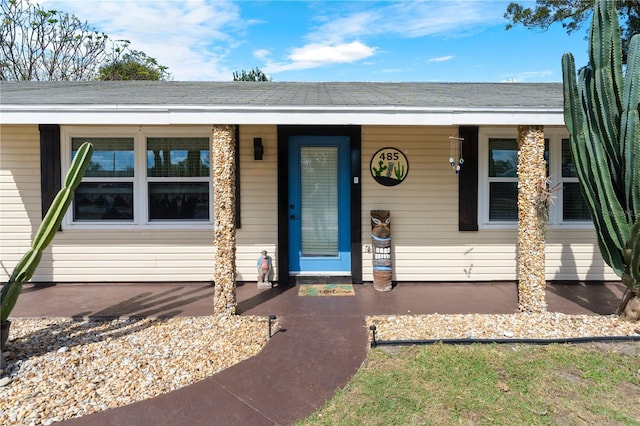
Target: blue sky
[(392, 41)]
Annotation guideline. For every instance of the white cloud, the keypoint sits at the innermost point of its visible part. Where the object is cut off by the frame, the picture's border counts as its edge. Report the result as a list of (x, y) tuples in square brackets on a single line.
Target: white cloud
[(408, 19), (191, 37), (330, 41), (441, 58), (339, 28), (206, 39), (339, 53), (527, 76), (261, 53), (316, 55)]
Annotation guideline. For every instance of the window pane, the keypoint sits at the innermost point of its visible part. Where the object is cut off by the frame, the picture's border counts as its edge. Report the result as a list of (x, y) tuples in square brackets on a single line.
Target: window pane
[(503, 201), (112, 157), (574, 207), (568, 168), (177, 157), (179, 201), (503, 157), (103, 201)]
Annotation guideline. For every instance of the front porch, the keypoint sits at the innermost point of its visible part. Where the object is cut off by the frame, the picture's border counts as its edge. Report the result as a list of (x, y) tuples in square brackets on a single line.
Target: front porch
[(122, 300)]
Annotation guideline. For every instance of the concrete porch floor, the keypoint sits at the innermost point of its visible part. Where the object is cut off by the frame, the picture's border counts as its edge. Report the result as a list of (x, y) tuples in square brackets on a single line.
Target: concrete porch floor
[(123, 300)]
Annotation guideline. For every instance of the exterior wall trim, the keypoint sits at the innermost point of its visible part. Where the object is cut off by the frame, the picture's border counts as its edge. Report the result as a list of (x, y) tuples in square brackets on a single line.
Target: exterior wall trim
[(286, 116)]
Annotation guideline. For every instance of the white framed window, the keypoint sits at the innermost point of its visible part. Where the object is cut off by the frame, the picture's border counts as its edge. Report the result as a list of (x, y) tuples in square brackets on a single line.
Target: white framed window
[(498, 180), (573, 207), (107, 189), (141, 177)]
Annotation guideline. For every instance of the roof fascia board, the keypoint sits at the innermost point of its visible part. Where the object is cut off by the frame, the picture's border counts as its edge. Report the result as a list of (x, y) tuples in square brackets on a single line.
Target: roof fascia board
[(311, 116)]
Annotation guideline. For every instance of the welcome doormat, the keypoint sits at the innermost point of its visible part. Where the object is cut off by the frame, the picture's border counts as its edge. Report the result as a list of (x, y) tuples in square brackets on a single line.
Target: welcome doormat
[(326, 290)]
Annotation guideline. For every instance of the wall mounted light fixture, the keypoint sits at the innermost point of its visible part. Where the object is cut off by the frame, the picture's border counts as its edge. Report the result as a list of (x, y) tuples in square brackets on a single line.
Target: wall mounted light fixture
[(258, 149)]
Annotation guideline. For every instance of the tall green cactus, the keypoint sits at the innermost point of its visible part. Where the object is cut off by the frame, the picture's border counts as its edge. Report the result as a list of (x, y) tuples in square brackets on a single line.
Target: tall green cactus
[(50, 223), (601, 111)]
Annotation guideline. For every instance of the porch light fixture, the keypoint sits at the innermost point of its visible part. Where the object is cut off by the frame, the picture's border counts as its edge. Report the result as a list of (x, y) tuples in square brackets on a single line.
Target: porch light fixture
[(258, 149)]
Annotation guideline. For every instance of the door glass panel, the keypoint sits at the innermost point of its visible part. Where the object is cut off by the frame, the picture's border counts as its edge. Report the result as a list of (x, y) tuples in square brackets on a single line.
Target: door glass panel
[(319, 200)]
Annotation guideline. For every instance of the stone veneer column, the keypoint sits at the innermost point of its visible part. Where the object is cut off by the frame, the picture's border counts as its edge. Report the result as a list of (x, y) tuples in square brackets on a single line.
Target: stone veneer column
[(532, 219), (224, 182)]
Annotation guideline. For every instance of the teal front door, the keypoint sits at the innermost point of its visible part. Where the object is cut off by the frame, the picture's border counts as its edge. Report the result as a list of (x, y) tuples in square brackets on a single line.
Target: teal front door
[(319, 207)]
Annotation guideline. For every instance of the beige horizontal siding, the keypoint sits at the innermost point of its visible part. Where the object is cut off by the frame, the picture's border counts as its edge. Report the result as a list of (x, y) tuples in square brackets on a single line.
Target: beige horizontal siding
[(573, 254), (258, 201), (89, 255), (424, 209), (426, 243), (20, 208), (125, 256)]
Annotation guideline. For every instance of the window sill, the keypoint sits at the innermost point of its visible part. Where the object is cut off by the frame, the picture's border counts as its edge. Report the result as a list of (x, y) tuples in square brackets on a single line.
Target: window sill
[(566, 226), (165, 226)]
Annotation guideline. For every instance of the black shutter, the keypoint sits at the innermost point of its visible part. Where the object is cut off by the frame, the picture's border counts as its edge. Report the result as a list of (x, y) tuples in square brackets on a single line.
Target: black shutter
[(468, 180), (237, 142), (50, 182)]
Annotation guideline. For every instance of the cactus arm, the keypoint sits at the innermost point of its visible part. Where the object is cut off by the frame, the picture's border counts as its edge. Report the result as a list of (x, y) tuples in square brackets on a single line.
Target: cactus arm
[(79, 166), (22, 273), (62, 201), (631, 276), (593, 164), (606, 58), (606, 204), (572, 117), (9, 299), (574, 120), (599, 173), (52, 220), (602, 114), (27, 265), (631, 127)]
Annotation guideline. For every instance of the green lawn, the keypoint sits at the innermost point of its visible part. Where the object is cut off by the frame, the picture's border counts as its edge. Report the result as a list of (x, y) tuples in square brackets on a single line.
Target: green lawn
[(491, 385)]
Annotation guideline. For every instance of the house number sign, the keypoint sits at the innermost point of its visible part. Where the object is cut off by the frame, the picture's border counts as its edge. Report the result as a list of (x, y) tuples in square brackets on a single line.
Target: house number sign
[(389, 166)]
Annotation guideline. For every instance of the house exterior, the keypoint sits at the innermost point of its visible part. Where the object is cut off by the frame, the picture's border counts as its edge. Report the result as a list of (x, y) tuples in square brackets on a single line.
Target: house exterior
[(311, 161)]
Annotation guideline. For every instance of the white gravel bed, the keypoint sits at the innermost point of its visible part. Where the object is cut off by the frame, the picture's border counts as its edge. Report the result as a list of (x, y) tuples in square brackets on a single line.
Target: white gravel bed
[(60, 369), (549, 325)]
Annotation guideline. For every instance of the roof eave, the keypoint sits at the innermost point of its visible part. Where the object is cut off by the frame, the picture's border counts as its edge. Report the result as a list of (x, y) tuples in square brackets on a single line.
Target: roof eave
[(312, 115)]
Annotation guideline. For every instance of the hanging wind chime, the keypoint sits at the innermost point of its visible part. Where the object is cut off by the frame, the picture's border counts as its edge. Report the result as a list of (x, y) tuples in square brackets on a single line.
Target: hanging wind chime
[(456, 160)]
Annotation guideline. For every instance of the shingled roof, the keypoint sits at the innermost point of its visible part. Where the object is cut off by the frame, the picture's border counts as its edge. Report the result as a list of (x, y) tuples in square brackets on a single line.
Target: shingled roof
[(229, 100)]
